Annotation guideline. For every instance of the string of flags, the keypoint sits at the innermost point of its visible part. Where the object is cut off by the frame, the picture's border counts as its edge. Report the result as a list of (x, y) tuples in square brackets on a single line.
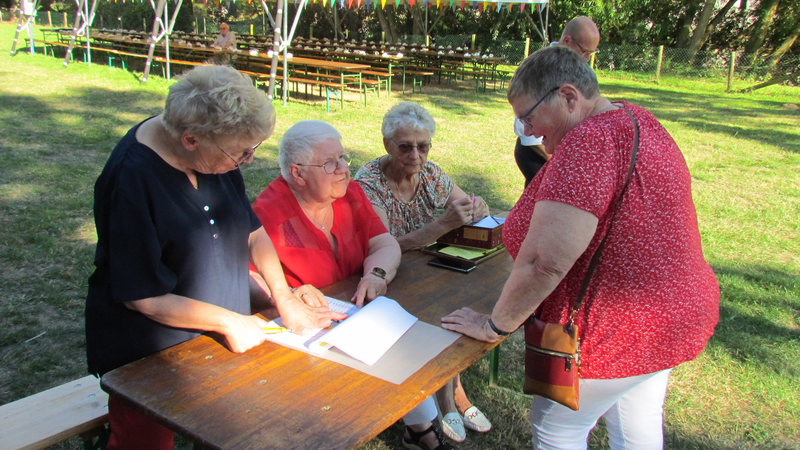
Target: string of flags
[(463, 4)]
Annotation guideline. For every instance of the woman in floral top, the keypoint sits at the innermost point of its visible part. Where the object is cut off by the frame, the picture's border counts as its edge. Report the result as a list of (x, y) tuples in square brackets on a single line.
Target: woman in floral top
[(418, 203)]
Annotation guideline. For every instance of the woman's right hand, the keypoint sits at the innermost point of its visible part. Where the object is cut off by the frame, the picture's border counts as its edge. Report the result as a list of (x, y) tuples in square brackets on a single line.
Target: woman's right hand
[(244, 332), (458, 213), (302, 318)]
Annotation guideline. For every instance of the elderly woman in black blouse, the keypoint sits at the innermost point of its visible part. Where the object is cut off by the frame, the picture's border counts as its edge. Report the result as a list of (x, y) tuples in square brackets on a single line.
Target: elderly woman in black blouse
[(175, 233)]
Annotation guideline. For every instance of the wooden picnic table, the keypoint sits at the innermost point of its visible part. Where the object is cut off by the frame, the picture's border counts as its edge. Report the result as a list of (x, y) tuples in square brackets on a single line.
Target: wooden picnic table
[(276, 397)]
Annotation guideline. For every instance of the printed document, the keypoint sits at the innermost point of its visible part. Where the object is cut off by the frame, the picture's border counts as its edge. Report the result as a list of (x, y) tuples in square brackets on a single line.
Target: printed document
[(365, 335)]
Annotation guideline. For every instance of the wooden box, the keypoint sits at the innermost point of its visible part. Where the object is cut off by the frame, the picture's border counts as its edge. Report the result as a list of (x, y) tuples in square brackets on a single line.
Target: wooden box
[(471, 236)]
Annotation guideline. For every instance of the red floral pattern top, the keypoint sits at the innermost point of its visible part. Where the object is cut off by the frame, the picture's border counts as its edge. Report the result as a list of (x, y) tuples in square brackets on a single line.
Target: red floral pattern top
[(653, 300)]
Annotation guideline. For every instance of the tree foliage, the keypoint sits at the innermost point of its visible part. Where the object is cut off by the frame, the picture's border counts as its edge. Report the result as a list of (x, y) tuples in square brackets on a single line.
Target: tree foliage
[(759, 27)]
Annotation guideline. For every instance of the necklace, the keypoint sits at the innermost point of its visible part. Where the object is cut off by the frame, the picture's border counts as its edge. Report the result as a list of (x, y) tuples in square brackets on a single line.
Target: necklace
[(321, 226), (396, 188)]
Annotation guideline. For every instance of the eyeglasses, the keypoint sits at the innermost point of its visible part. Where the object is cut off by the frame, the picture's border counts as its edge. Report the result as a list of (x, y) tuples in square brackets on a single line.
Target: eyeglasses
[(524, 119), (245, 156), (406, 147), (585, 52), (331, 165)]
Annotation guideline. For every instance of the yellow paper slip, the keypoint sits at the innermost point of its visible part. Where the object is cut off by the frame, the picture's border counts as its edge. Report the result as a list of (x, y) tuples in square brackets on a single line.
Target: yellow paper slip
[(462, 252)]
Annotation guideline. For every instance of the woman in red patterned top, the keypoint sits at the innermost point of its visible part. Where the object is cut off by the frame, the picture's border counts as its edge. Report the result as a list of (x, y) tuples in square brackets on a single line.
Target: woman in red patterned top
[(653, 301)]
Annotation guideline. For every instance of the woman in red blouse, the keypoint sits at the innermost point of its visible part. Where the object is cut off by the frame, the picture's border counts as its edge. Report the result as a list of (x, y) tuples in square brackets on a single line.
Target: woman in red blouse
[(653, 301), (324, 229)]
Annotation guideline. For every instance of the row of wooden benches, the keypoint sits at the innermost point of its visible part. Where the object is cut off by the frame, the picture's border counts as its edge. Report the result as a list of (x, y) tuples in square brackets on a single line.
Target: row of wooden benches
[(334, 85)]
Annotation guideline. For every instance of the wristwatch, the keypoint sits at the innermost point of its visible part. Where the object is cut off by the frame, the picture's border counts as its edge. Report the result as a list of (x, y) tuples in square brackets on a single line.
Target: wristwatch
[(378, 272)]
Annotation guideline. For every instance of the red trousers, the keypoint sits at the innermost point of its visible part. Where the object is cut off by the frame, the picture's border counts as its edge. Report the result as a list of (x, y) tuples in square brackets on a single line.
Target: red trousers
[(132, 430)]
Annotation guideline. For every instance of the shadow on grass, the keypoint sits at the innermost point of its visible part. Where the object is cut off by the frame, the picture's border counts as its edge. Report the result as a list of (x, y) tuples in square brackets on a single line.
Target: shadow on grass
[(759, 316), (698, 111)]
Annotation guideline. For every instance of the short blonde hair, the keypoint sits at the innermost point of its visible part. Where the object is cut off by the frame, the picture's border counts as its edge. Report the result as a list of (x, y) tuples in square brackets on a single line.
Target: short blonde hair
[(407, 115), (215, 101), (549, 68)]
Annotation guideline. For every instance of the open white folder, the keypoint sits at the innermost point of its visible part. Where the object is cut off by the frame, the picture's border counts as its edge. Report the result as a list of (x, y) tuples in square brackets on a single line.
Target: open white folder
[(365, 335)]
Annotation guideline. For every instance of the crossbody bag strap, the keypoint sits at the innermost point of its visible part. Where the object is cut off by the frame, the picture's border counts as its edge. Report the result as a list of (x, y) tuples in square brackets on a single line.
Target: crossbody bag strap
[(596, 257)]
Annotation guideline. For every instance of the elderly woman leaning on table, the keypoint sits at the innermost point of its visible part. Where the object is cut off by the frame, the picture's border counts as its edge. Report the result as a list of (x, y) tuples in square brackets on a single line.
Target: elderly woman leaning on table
[(324, 230), (408, 192), (175, 231), (652, 301)]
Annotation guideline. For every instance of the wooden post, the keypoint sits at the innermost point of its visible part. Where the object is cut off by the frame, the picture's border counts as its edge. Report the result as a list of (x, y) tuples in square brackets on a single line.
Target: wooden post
[(527, 46), (383, 36), (427, 41), (731, 71), (50, 20), (591, 61), (204, 25), (310, 32), (65, 20), (658, 64), (251, 29), (472, 47)]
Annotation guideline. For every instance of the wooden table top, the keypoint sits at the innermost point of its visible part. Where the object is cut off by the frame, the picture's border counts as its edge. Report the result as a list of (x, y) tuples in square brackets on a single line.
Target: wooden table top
[(276, 397)]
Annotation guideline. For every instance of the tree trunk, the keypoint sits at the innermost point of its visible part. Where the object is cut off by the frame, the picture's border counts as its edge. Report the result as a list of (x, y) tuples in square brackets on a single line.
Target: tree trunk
[(438, 18), (761, 28), (419, 18), (699, 35), (388, 25), (685, 30), (533, 24), (784, 47)]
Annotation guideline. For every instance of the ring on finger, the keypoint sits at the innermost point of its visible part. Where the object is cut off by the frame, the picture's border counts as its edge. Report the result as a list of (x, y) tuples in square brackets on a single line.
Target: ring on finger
[(302, 294)]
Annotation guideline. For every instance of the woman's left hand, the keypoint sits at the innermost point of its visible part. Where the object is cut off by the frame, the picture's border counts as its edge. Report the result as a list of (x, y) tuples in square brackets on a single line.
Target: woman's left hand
[(470, 323), (369, 287)]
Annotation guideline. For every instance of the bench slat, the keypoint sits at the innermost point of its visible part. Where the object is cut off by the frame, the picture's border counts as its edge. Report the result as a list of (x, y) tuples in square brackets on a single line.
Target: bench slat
[(57, 414)]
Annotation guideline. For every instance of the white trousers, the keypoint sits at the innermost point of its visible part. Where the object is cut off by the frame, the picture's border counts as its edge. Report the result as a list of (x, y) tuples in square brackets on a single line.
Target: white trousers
[(424, 412), (633, 408)]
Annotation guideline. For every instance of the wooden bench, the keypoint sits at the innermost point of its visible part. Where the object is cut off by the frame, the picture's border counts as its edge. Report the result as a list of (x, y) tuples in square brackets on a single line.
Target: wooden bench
[(336, 88), (79, 407), (415, 74)]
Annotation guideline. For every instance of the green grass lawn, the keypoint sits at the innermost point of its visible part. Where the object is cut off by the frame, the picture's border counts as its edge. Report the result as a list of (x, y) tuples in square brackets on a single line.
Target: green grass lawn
[(57, 127)]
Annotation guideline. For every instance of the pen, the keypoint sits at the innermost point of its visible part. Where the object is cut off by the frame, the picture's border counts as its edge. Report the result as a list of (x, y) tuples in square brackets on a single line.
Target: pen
[(276, 330)]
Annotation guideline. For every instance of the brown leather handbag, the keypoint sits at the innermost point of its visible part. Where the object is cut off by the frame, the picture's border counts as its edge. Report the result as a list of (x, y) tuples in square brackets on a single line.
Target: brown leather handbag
[(552, 350)]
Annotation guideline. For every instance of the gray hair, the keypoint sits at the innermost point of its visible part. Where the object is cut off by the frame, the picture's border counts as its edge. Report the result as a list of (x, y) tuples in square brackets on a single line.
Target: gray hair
[(298, 143), (216, 101), (549, 68), (407, 115)]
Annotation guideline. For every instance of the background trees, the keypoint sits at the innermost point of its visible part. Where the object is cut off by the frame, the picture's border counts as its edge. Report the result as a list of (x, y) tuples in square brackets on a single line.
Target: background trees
[(760, 28)]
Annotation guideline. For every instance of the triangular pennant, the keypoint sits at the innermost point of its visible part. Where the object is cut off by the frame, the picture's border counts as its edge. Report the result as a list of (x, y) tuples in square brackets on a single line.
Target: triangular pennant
[(412, 3), (358, 4), (424, 3), (350, 4)]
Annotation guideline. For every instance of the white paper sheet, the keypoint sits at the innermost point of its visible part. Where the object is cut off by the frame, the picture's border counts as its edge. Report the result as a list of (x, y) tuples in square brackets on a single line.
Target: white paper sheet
[(308, 343), (489, 222), (366, 336)]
